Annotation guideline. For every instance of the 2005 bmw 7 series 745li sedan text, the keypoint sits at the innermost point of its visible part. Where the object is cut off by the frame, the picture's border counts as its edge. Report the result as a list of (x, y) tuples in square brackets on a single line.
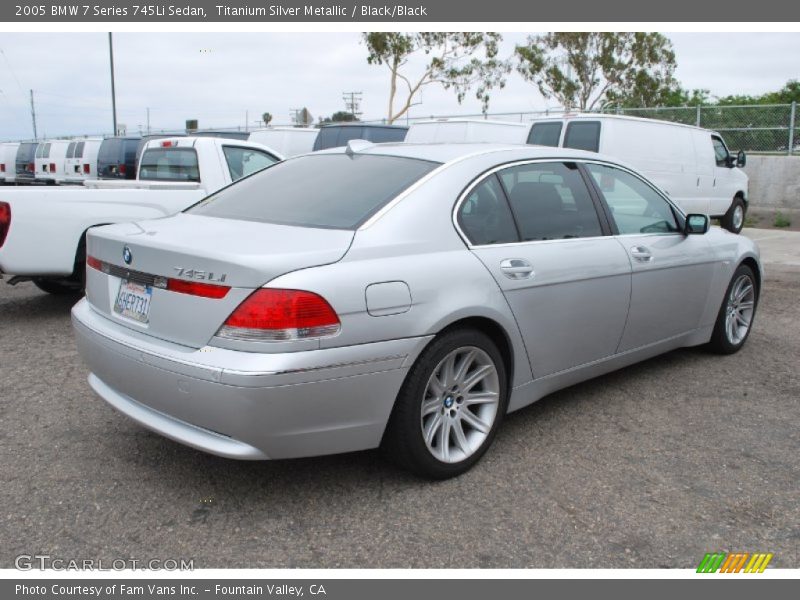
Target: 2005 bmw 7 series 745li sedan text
[(399, 295)]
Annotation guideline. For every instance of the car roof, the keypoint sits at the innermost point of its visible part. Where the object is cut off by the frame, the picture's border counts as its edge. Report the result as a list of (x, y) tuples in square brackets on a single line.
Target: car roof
[(452, 152), (615, 117)]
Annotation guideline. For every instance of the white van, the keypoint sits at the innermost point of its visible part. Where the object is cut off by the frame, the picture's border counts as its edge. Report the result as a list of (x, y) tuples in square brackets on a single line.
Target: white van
[(8, 159), (467, 130), (81, 161), (49, 162), (692, 165), (288, 141)]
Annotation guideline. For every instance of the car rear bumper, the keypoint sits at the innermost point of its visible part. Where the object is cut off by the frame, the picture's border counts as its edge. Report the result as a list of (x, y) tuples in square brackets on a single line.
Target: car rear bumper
[(284, 405)]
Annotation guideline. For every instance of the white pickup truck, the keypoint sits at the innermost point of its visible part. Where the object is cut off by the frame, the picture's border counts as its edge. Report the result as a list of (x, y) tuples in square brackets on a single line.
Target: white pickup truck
[(43, 231)]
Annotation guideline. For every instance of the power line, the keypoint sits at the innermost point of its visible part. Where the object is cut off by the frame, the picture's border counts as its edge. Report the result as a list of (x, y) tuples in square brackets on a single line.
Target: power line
[(352, 103)]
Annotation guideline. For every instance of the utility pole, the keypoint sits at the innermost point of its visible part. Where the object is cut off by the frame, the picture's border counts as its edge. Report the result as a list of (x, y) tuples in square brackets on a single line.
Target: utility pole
[(246, 119), (33, 117), (352, 103), (113, 91), (148, 120)]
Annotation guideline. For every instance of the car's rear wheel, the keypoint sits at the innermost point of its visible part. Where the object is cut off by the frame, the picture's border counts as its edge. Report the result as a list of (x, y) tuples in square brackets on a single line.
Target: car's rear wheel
[(735, 318), (733, 220), (450, 406)]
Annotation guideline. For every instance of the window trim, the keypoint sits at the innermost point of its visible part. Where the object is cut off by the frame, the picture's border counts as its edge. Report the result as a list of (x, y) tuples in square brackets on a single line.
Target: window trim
[(483, 176), (680, 216)]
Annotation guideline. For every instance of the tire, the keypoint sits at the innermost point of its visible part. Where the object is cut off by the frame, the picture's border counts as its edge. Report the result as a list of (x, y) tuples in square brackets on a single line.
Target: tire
[(735, 317), (733, 220), (468, 412), (58, 287)]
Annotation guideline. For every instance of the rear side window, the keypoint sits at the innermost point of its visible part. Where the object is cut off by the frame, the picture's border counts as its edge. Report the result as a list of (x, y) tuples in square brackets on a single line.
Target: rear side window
[(246, 161), (40, 150), (46, 152), (71, 149), (545, 134), (550, 201), (169, 164), (485, 217), (329, 190), (583, 135)]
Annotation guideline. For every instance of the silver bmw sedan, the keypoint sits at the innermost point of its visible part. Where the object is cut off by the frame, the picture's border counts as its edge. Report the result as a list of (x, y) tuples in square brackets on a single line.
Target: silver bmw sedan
[(399, 295)]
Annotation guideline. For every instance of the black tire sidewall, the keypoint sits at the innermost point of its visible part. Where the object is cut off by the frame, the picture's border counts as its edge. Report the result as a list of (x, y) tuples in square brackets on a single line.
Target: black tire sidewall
[(406, 417), (727, 220), (719, 339)]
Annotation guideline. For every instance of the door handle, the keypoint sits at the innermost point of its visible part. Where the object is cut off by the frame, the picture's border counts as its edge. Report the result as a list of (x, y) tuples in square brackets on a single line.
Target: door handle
[(516, 268), (641, 254)]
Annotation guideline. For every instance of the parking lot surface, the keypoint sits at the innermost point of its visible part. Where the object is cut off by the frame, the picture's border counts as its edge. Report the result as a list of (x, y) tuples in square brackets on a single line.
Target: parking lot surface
[(651, 466)]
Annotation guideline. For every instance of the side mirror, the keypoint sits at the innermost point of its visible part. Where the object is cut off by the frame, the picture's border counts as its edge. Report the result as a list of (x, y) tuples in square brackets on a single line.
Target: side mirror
[(696, 225), (741, 159)]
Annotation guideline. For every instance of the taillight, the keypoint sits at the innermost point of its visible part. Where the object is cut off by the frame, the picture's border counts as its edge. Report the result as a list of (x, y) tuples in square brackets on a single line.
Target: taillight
[(87, 169), (52, 167), (271, 315), (167, 144), (3, 168), (30, 167), (193, 288), (122, 169), (5, 221), (94, 263)]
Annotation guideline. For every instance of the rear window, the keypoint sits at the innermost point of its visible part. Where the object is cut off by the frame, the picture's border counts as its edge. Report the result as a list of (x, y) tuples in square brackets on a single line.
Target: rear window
[(71, 149), (583, 135), (335, 191), (545, 134), (169, 164), (110, 150), (26, 151), (79, 149)]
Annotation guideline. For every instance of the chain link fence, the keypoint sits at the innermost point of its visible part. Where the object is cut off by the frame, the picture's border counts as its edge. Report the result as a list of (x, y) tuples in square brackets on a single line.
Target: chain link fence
[(761, 128)]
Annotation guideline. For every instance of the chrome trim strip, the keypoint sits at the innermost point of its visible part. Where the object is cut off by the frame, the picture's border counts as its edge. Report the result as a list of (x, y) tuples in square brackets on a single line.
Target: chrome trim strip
[(486, 174)]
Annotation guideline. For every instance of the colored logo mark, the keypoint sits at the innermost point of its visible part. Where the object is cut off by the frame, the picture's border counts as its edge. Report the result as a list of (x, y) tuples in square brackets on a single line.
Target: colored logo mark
[(735, 562)]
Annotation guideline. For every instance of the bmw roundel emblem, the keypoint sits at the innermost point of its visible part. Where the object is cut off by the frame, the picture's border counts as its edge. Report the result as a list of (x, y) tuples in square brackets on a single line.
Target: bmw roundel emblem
[(127, 256)]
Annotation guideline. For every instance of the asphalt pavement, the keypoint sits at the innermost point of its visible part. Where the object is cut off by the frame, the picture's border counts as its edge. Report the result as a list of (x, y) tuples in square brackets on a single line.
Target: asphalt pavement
[(650, 466)]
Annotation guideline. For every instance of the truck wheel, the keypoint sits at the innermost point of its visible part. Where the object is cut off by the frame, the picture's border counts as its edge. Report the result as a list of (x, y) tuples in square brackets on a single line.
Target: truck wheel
[(733, 220), (58, 287)]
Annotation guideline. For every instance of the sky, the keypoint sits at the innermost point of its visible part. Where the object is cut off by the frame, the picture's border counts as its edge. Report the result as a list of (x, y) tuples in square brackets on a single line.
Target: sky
[(230, 79)]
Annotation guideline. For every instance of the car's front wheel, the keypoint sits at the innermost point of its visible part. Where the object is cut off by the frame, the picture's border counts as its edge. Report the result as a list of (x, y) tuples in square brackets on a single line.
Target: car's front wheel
[(450, 406), (735, 317)]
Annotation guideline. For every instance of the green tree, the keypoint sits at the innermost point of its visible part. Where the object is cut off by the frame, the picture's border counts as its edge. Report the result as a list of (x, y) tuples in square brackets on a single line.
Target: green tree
[(340, 116), (460, 61), (267, 118), (588, 70)]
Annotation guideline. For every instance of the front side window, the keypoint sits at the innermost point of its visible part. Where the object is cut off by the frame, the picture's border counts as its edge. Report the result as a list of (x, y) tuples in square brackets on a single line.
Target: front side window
[(583, 135), (485, 217), (545, 134), (245, 161), (334, 191), (721, 154), (550, 201), (635, 206), (169, 164)]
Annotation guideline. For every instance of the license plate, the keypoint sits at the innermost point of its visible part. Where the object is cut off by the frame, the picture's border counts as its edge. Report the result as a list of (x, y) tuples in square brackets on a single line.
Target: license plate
[(133, 301)]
